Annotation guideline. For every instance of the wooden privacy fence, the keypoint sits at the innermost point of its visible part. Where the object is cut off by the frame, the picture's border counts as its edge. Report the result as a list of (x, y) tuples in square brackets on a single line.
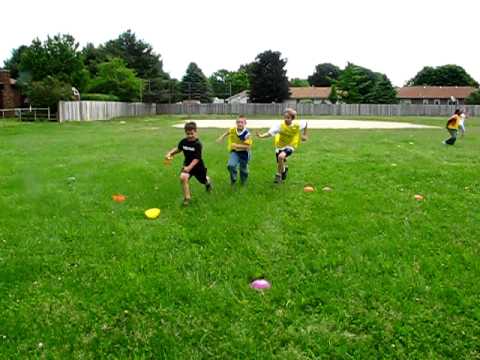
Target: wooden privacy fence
[(319, 109), (102, 110)]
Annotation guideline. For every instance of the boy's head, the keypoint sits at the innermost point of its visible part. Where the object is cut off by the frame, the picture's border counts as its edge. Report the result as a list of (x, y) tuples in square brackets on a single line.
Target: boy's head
[(191, 130), (458, 112), (241, 122), (289, 115)]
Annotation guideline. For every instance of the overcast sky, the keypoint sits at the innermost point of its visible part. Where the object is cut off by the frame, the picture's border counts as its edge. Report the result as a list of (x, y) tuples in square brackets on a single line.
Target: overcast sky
[(394, 37)]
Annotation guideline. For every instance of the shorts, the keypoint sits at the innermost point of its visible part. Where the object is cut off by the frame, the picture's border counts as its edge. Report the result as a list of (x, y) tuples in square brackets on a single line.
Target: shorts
[(287, 151), (199, 172)]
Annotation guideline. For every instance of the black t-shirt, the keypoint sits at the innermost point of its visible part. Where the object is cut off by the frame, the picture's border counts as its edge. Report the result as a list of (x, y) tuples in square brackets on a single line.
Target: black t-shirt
[(191, 150)]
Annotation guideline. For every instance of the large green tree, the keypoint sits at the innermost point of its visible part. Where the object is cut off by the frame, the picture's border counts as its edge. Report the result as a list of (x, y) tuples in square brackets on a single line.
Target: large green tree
[(225, 83), (13, 63), (137, 54), (195, 85), (383, 91), (92, 57), (115, 78), (358, 85), (59, 57), (324, 75), (268, 78), (446, 75)]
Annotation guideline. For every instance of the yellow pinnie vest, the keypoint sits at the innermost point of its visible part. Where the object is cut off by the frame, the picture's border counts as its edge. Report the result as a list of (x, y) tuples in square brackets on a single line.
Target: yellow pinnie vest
[(454, 124), (234, 139), (288, 135)]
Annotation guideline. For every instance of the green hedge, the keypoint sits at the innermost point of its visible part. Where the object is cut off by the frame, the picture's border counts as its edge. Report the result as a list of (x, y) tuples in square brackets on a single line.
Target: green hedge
[(99, 97)]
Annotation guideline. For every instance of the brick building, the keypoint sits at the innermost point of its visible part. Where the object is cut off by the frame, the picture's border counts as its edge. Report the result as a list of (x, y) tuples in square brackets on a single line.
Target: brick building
[(10, 96)]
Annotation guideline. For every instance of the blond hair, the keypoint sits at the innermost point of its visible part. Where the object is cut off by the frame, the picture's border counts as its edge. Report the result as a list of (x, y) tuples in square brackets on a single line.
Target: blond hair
[(291, 112)]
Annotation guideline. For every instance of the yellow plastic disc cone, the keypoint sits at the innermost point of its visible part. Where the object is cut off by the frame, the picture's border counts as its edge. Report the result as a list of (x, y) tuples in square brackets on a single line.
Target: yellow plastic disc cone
[(152, 213)]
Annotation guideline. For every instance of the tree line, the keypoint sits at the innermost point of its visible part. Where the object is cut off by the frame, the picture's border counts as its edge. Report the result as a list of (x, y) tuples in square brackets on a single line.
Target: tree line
[(128, 69)]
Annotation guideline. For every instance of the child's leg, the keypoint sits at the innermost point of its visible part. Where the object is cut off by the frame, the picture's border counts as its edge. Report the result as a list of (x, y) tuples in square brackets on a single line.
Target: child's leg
[(184, 179), (462, 129), (244, 168), (233, 162), (453, 137), (281, 163)]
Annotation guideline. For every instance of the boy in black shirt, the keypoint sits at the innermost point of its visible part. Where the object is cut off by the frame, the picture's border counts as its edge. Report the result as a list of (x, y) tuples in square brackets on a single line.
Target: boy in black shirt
[(193, 164)]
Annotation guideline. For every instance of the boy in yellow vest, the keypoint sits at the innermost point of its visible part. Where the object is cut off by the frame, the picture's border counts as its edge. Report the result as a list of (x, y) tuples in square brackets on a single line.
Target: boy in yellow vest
[(288, 135), (239, 143), (452, 127)]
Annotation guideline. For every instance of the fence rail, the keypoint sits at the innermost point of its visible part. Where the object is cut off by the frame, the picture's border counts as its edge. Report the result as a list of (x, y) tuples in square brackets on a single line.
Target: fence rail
[(29, 113), (318, 109), (102, 110)]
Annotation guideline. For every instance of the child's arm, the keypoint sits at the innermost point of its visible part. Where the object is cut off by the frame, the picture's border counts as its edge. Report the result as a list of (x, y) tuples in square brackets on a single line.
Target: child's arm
[(190, 166), (241, 146), (172, 153), (264, 135), (223, 136), (305, 134)]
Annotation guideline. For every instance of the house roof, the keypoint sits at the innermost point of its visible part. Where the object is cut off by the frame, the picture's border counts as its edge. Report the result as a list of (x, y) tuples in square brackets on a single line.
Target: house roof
[(434, 92), (243, 93), (309, 92)]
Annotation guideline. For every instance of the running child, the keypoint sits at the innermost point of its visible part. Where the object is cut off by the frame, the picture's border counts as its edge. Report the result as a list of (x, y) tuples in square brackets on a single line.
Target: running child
[(452, 128), (288, 134), (193, 164), (239, 144)]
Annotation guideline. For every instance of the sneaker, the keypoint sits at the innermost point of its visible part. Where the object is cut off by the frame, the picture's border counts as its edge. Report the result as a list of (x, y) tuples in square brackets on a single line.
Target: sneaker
[(444, 142), (285, 173), (278, 179), (209, 187), (186, 202)]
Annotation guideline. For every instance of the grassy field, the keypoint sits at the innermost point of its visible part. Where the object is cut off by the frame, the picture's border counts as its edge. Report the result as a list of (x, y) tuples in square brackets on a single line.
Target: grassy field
[(361, 272)]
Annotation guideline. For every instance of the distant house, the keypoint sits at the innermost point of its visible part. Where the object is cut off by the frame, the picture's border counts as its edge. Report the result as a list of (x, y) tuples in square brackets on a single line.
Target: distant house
[(434, 95), (316, 95), (10, 96), (313, 94), (240, 98), (190, 102), (217, 100)]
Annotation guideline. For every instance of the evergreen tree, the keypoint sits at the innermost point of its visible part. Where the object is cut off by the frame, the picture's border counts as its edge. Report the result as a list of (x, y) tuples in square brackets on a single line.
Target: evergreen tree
[(12, 64), (333, 97), (137, 54), (195, 85), (359, 85), (268, 78)]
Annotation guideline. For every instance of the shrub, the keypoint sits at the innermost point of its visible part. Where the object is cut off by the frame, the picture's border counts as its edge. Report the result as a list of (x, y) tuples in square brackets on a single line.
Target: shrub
[(48, 92), (473, 98), (100, 97)]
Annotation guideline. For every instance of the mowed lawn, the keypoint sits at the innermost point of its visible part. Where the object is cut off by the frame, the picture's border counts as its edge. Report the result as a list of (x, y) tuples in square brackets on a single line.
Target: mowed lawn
[(362, 272)]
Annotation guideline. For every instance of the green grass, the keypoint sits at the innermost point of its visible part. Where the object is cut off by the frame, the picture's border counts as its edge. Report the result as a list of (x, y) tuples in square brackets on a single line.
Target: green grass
[(362, 272)]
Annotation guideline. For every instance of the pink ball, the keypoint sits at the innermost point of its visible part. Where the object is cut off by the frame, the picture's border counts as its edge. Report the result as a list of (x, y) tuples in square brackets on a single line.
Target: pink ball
[(260, 284)]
